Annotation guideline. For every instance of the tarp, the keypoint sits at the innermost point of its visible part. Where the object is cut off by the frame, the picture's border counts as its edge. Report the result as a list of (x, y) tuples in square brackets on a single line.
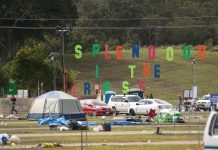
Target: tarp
[(53, 121)]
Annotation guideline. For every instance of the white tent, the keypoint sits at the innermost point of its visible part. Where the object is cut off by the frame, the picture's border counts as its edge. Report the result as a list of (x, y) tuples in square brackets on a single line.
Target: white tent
[(56, 104)]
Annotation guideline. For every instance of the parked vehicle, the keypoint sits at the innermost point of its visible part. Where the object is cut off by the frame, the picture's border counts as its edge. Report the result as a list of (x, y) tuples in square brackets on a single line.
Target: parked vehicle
[(144, 106), (121, 103), (203, 103), (211, 131), (95, 107)]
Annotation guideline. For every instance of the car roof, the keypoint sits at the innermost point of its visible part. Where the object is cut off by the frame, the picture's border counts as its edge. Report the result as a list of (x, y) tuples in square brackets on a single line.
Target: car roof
[(126, 95), (89, 100), (154, 99)]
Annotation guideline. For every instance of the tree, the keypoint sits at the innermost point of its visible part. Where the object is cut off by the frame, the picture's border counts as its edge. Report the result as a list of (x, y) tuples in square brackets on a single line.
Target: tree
[(34, 13), (30, 65)]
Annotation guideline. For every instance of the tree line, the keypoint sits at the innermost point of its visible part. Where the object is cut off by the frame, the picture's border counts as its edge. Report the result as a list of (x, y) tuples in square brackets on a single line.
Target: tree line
[(28, 30)]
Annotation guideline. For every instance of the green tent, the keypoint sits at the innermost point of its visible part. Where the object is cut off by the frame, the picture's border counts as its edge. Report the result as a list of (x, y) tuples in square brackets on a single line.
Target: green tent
[(168, 115)]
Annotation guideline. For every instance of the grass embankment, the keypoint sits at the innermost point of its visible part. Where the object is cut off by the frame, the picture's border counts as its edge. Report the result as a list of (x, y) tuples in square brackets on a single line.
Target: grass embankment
[(175, 76)]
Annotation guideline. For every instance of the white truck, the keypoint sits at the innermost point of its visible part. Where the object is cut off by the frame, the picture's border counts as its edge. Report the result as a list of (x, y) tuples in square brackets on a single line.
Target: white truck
[(203, 103), (211, 131)]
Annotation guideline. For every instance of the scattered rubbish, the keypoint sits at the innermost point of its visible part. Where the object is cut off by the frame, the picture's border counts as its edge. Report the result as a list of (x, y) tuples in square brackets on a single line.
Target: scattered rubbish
[(53, 126), (98, 128), (119, 118), (1, 116), (43, 145), (9, 139), (11, 116), (63, 128)]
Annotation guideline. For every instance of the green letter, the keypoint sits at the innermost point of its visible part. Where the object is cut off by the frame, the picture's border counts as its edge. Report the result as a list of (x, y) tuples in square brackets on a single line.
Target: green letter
[(125, 86), (106, 86), (95, 49), (132, 67), (97, 71), (169, 54), (186, 51), (78, 52)]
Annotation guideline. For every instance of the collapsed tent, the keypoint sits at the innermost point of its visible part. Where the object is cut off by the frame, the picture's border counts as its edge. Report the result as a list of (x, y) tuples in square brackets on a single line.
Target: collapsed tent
[(169, 115), (56, 104)]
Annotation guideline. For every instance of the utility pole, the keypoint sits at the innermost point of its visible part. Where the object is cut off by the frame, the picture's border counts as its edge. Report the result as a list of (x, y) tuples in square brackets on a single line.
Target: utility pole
[(61, 32), (194, 87), (194, 70)]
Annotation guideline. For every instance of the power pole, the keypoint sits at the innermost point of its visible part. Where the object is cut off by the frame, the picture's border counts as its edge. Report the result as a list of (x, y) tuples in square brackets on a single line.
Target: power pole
[(61, 32)]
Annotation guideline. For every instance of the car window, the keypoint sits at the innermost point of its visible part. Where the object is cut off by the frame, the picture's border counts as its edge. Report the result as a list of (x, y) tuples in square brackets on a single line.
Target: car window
[(149, 102), (96, 103), (215, 126), (161, 101), (141, 102), (205, 97), (120, 99), (113, 99), (134, 98)]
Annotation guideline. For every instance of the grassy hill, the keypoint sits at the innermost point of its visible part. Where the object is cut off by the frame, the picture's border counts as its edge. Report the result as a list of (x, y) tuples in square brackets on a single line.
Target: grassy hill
[(175, 76)]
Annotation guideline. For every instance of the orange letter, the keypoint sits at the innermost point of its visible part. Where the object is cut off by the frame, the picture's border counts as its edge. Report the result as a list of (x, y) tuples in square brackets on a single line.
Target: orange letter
[(119, 52), (146, 70), (201, 52)]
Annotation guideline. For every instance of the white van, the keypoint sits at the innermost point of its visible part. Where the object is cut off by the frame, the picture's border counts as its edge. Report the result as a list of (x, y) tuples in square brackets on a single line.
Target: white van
[(211, 131)]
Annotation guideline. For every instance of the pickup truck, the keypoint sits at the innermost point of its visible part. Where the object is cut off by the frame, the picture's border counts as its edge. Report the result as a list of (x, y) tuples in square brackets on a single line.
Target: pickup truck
[(211, 131)]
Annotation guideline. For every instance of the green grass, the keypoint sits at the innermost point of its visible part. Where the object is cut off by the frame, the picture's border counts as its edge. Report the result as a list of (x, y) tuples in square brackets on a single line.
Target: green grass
[(144, 147), (112, 138), (175, 76)]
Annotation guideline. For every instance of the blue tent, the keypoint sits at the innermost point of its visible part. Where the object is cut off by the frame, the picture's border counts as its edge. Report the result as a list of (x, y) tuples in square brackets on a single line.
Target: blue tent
[(56, 104)]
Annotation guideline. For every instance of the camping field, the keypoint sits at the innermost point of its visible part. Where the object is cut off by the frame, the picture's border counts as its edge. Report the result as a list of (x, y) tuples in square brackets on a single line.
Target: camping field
[(175, 77), (182, 136)]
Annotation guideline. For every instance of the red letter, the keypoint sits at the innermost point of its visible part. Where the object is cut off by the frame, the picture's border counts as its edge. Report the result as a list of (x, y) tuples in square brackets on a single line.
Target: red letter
[(151, 53), (142, 85), (106, 53)]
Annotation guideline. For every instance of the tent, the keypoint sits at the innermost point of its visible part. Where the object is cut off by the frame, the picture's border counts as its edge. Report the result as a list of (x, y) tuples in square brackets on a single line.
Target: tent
[(169, 115), (56, 104)]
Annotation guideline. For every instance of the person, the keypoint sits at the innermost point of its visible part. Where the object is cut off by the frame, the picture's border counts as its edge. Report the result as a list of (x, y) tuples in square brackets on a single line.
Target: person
[(13, 102), (186, 104), (179, 101), (151, 96)]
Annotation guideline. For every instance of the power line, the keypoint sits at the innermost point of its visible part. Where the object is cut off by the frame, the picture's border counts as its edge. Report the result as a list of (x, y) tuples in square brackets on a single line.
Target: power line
[(110, 19), (114, 28)]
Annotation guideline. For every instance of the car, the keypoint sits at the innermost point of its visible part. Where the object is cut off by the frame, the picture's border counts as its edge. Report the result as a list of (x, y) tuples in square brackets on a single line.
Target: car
[(211, 131), (144, 106), (94, 107), (203, 103), (120, 103)]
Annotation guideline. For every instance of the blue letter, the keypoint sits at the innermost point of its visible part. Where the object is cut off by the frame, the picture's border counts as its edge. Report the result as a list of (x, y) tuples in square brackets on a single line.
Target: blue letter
[(87, 88), (157, 71), (135, 50)]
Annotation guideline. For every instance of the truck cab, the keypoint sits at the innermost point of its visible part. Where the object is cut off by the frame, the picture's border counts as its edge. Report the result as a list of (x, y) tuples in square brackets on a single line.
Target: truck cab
[(211, 131)]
